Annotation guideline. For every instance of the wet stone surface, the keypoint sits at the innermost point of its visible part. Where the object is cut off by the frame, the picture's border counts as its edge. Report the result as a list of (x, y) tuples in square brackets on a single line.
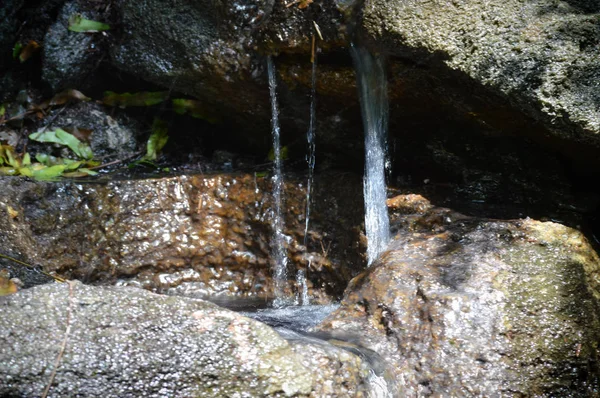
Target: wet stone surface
[(463, 306), (127, 342), (196, 235)]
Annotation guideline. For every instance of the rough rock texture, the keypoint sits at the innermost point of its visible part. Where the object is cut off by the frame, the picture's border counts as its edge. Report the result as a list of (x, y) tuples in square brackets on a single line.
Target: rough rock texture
[(541, 55), (126, 342), (111, 135), (461, 306), (70, 58), (190, 235)]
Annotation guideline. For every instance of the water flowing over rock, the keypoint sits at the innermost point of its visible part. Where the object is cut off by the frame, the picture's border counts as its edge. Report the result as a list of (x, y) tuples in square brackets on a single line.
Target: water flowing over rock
[(461, 306), (127, 342), (190, 235)]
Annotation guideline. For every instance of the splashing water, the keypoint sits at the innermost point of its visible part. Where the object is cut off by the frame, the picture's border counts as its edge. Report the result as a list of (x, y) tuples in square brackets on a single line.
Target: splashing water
[(372, 85), (279, 254)]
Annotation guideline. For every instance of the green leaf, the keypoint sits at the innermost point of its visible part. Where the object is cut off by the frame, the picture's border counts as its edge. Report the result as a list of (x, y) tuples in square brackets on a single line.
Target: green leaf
[(49, 173), (144, 98), (2, 110), (83, 172), (60, 136), (17, 49), (79, 24), (26, 160), (157, 140), (195, 109)]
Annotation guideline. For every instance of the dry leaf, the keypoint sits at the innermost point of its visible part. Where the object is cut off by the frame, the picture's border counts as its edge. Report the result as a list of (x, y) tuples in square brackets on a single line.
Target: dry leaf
[(26, 52), (6, 285), (12, 213)]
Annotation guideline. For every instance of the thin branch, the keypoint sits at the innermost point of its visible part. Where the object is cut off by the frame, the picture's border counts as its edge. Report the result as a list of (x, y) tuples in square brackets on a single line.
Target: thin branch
[(31, 267)]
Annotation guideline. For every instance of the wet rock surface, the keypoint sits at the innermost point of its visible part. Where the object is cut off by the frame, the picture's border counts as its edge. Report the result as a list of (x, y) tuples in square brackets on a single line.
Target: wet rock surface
[(194, 235), (541, 56), (127, 342), (463, 306)]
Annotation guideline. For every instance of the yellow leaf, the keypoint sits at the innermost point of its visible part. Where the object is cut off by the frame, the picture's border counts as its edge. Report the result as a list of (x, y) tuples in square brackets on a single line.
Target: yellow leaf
[(6, 285), (12, 213)]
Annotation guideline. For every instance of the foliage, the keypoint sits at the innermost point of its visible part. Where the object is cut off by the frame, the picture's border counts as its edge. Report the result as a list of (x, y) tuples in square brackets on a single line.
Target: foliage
[(79, 24), (158, 139), (61, 137), (144, 98), (194, 108)]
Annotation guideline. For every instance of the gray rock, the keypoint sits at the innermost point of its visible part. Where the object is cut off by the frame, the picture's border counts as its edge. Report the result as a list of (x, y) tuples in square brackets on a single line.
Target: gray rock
[(126, 342), (461, 306), (113, 136), (70, 58), (542, 56)]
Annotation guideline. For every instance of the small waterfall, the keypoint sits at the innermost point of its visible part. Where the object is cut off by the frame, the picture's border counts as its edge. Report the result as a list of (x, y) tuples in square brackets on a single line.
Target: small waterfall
[(279, 252), (372, 86), (303, 298), (310, 137)]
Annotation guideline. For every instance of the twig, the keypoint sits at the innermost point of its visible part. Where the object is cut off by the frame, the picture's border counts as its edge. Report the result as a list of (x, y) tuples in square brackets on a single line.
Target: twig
[(115, 162), (312, 52), (31, 267), (64, 343)]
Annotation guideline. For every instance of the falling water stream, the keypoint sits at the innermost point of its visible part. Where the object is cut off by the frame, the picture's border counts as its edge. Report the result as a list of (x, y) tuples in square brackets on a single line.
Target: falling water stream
[(372, 86), (279, 254), (302, 296), (296, 322)]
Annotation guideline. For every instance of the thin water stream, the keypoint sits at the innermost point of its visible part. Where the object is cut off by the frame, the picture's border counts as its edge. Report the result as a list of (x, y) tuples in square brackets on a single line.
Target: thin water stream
[(279, 252), (372, 86)]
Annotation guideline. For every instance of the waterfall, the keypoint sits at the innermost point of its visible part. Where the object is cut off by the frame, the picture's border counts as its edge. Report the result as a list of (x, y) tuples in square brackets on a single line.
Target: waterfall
[(302, 295), (279, 252), (372, 86)]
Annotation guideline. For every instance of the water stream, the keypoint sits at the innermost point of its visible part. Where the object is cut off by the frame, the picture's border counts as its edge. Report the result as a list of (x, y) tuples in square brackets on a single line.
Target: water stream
[(372, 86), (295, 323), (302, 294), (279, 253)]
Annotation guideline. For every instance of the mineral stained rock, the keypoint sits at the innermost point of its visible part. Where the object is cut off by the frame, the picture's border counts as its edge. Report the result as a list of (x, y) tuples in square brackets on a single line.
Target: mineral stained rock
[(463, 306)]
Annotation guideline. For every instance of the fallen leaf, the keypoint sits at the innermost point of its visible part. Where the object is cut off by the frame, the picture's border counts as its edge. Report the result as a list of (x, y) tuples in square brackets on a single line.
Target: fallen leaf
[(79, 133), (144, 98), (27, 52), (68, 95), (12, 213), (79, 24), (6, 285), (60, 136)]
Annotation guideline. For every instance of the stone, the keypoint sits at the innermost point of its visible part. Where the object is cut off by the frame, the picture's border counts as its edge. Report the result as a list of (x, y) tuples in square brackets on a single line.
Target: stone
[(195, 235), (541, 57), (127, 342), (71, 58), (465, 306)]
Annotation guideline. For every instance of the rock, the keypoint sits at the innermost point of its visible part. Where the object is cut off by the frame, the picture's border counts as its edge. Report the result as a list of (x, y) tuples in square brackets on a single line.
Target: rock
[(541, 57), (71, 58), (112, 136), (463, 306), (127, 342), (190, 235)]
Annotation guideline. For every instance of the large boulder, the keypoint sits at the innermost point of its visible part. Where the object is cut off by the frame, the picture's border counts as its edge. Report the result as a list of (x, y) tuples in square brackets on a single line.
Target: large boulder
[(191, 235), (540, 57), (124, 342), (463, 306)]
